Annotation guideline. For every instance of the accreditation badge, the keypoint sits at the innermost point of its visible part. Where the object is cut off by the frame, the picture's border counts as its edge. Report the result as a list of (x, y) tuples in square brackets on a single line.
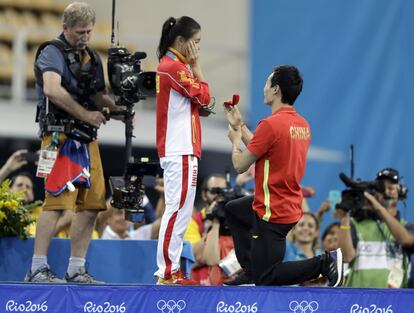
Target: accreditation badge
[(46, 161), (395, 277)]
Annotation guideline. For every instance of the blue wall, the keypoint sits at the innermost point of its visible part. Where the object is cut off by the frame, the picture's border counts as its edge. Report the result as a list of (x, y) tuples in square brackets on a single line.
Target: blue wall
[(357, 60)]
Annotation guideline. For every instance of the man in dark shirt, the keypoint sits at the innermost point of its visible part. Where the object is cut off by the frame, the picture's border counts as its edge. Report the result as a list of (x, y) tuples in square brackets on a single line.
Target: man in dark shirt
[(60, 85)]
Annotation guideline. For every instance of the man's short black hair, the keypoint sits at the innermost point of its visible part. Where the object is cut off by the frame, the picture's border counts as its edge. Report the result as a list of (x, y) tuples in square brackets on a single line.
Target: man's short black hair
[(290, 82)]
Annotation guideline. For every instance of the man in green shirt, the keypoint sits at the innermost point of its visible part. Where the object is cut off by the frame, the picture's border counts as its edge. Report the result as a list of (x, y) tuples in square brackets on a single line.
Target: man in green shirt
[(374, 246)]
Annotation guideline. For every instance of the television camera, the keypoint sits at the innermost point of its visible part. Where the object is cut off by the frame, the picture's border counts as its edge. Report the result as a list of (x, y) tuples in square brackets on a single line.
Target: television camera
[(130, 84), (128, 191), (354, 201)]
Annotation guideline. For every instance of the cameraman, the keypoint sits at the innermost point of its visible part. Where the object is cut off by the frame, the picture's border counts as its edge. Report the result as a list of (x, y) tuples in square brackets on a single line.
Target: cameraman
[(373, 243), (197, 228), (217, 243), (259, 224), (70, 86)]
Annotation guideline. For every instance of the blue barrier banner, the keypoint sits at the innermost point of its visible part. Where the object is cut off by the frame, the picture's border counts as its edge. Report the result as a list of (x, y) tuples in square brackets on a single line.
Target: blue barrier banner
[(113, 261), (174, 299)]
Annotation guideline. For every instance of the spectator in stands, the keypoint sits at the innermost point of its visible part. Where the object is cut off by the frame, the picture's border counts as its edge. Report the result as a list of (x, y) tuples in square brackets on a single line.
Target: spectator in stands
[(116, 227), (13, 163), (304, 244), (23, 181), (373, 243), (259, 224), (150, 216), (70, 85), (305, 239), (330, 237)]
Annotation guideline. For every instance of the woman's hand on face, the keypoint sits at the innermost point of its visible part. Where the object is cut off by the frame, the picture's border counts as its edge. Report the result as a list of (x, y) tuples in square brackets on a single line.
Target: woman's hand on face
[(192, 53)]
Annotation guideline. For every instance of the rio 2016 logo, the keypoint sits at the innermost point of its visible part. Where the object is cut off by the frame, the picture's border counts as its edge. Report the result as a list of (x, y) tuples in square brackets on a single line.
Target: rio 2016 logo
[(303, 306), (237, 307), (106, 307), (373, 308), (28, 306)]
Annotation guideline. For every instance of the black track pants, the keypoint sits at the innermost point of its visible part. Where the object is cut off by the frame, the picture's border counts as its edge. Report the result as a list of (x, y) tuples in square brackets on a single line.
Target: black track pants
[(260, 247)]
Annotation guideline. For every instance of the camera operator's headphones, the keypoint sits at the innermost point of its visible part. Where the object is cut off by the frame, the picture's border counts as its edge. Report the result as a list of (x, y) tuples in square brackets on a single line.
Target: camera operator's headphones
[(394, 176)]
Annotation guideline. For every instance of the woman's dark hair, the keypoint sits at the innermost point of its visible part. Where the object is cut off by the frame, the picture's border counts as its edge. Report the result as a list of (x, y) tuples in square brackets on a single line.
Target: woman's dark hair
[(290, 82), (24, 174), (184, 26), (329, 228)]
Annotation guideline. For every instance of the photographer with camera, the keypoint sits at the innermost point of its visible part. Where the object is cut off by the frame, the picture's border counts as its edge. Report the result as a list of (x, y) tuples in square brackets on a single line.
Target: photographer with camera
[(181, 93), (71, 92), (259, 224), (212, 185), (196, 227), (208, 232), (372, 235), (216, 245)]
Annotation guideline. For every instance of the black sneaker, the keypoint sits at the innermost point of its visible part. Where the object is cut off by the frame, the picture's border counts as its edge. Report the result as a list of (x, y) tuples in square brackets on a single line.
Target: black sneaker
[(332, 267), (240, 280), (43, 275), (82, 277)]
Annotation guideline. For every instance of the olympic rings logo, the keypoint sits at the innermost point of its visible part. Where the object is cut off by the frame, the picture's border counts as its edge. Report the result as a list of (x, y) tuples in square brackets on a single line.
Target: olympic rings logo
[(171, 306), (303, 306)]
